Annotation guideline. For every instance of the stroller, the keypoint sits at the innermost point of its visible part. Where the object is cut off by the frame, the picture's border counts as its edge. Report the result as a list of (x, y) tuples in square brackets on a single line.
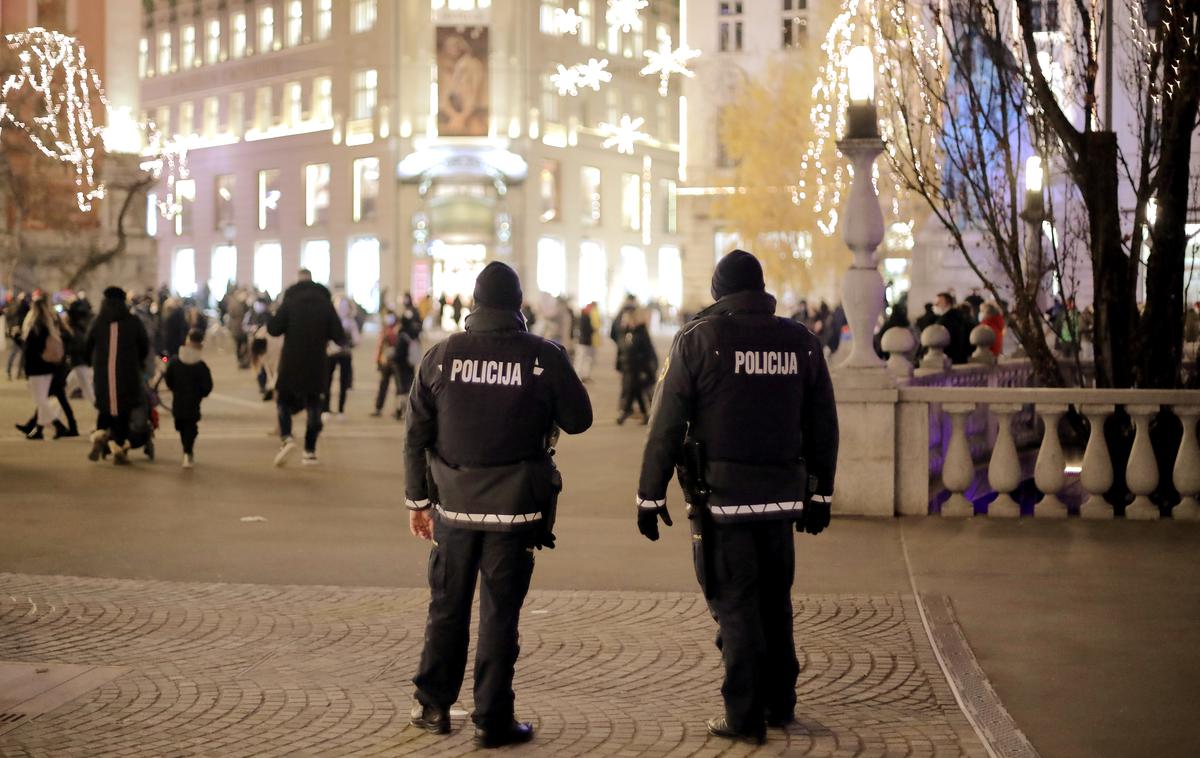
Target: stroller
[(143, 422)]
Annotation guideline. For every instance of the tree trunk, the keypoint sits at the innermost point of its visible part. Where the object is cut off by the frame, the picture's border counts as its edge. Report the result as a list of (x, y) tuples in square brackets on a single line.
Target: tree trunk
[(1113, 292), (1160, 332)]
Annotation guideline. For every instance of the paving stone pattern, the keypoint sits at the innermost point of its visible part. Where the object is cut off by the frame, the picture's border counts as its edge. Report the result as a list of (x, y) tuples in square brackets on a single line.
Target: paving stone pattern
[(256, 670)]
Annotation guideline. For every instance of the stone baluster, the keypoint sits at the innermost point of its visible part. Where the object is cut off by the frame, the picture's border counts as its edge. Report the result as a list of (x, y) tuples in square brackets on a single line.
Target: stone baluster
[(1141, 474), (982, 337), (1004, 470), (935, 339), (1048, 472), (958, 470), (1097, 474), (1187, 466), (898, 342)]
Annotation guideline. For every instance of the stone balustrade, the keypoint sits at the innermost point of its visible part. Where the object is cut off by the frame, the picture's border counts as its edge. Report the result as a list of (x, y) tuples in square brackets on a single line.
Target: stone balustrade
[(988, 427)]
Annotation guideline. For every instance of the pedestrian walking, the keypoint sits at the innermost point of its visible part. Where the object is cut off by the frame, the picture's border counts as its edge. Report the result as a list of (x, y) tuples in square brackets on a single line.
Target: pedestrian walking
[(341, 358), (43, 352), (745, 415), (308, 322), (392, 357), (588, 340), (637, 361), (79, 319), (120, 347), (481, 484), (190, 381)]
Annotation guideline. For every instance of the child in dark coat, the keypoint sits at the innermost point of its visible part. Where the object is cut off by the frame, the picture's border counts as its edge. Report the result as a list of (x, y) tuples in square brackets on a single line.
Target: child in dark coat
[(190, 381)]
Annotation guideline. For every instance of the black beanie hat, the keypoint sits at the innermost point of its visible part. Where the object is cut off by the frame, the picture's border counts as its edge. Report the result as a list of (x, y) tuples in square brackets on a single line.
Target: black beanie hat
[(498, 286), (736, 272), (115, 293)]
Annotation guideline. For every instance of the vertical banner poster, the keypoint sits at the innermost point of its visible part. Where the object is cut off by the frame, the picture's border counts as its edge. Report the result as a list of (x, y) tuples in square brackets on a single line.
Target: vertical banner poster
[(462, 61)]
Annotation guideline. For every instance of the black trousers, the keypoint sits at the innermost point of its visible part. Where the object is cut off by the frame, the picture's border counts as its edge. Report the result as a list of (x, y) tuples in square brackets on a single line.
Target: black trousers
[(749, 591), (504, 563), (188, 431), (633, 389), (58, 391), (403, 374), (312, 404), (344, 365)]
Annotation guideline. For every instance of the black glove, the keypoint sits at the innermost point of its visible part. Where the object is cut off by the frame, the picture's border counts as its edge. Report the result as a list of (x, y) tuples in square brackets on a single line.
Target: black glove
[(545, 540), (816, 515), (647, 520)]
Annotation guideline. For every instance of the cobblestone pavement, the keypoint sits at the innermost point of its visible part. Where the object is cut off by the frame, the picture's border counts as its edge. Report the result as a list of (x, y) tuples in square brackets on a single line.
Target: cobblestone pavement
[(257, 670)]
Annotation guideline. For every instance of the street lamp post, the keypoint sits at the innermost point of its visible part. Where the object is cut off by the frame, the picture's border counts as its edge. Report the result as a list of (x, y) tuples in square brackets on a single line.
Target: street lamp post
[(1034, 216), (862, 225)]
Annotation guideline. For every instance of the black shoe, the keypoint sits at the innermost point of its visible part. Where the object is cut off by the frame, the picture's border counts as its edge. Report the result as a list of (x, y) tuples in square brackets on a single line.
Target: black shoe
[(376, 413), (431, 720), (621, 418), (27, 427), (61, 430), (35, 434), (780, 720), (513, 734), (719, 727), (268, 396)]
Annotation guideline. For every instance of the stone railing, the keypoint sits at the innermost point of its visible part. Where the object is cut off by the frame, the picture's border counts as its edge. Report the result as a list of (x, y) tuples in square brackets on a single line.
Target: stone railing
[(991, 437)]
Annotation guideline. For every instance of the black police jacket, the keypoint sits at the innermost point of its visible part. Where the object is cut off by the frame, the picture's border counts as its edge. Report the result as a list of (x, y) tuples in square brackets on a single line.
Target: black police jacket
[(481, 408), (755, 389)]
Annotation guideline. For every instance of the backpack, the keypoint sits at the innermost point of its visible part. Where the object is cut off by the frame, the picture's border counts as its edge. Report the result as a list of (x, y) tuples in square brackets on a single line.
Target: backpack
[(54, 351)]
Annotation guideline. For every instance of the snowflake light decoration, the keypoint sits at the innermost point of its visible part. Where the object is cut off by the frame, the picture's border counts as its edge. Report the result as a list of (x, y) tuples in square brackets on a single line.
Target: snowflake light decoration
[(666, 62), (624, 13), (566, 80), (53, 67), (566, 22), (593, 73), (624, 134)]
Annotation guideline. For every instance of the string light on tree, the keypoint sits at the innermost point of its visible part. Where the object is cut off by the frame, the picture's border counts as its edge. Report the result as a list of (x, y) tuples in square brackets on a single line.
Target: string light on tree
[(667, 62), (623, 14), (53, 68), (624, 134), (566, 22)]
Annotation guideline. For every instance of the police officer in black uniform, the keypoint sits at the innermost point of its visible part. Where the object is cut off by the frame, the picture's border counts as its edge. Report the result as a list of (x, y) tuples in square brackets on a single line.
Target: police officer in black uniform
[(744, 410), (481, 484)]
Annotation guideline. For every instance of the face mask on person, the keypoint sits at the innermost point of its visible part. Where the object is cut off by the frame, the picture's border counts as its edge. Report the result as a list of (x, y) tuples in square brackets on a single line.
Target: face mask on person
[(940, 310)]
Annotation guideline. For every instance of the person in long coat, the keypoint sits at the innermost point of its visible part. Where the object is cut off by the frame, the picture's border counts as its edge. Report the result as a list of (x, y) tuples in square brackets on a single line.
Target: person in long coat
[(119, 346), (308, 322)]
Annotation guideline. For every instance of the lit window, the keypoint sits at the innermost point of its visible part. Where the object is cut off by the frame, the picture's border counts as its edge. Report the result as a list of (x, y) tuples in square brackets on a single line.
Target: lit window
[(266, 29), (223, 202), (546, 16), (292, 104), (551, 266), (550, 101), (183, 272), (151, 214), (269, 195), (322, 96), (324, 21), (633, 276), (237, 113), (187, 47), (362, 16), (1045, 15), (795, 25), (671, 206), (237, 45), (362, 272), (162, 119), (314, 256), (670, 276), (586, 24), (729, 32), (164, 53), (185, 198), (316, 193), (548, 189), (263, 113), (268, 268), (143, 57), (295, 22), (212, 42), (363, 94), (187, 119), (223, 270), (366, 188), (593, 273), (590, 179), (631, 202)]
